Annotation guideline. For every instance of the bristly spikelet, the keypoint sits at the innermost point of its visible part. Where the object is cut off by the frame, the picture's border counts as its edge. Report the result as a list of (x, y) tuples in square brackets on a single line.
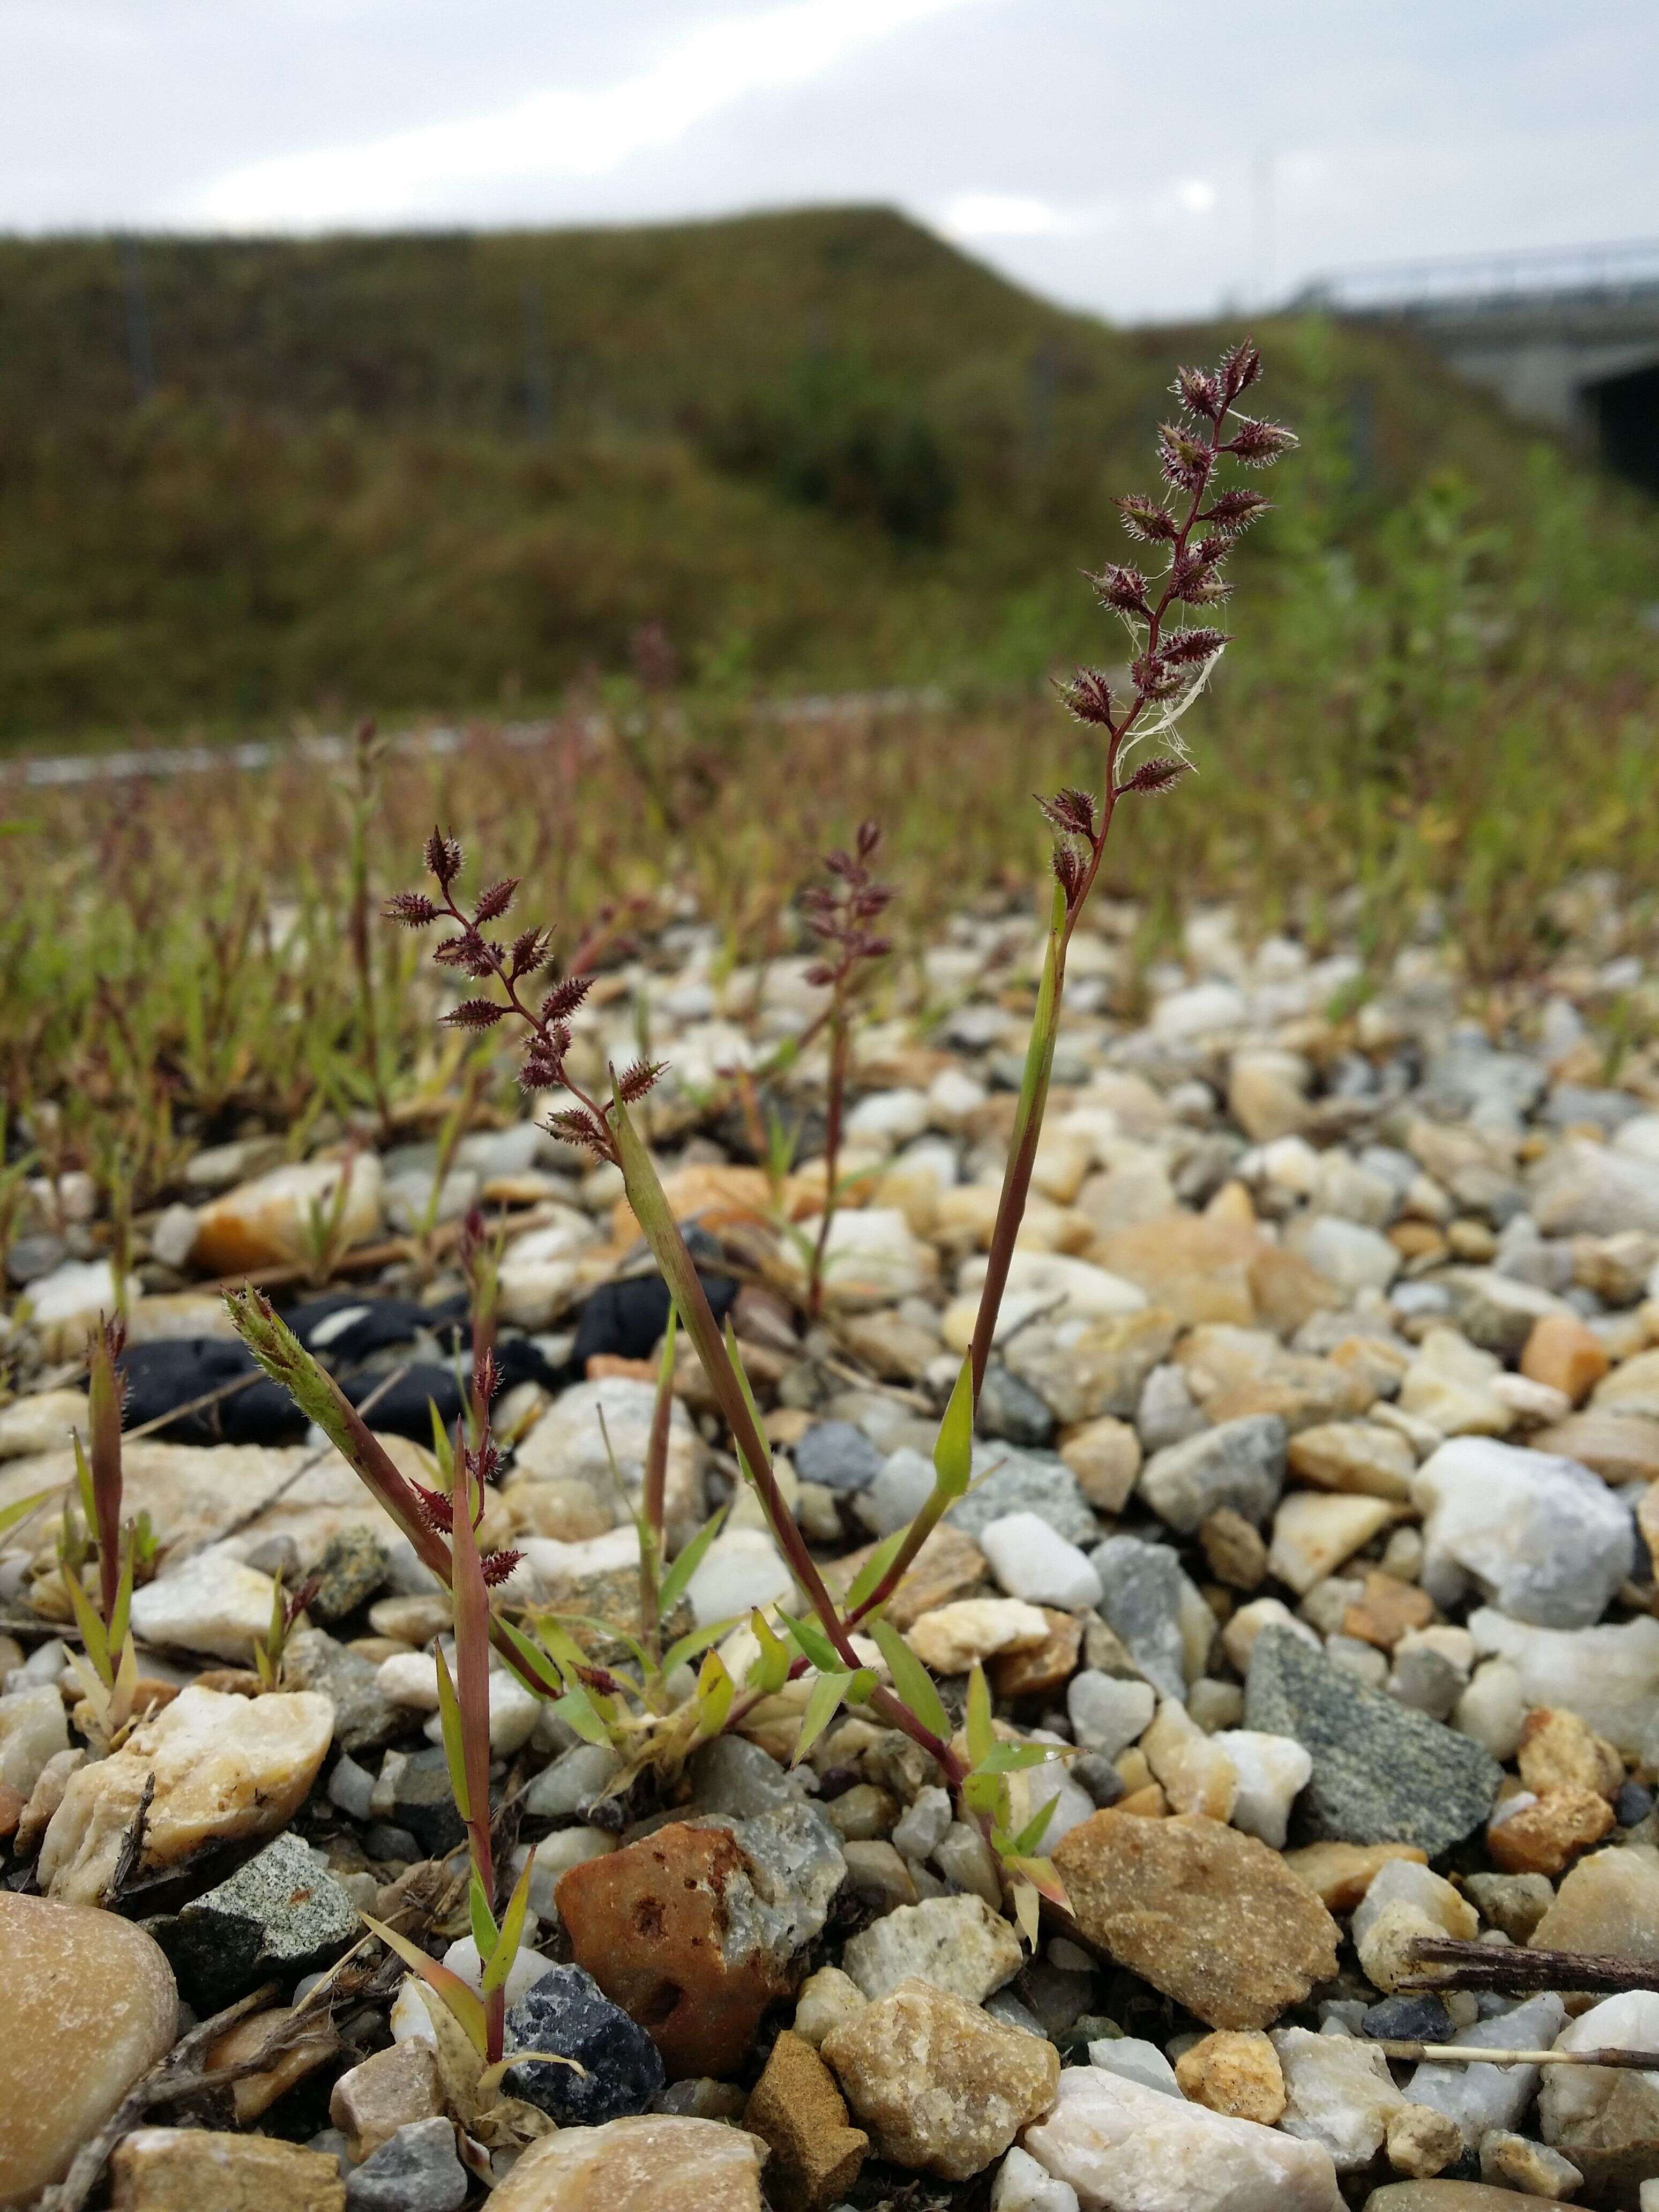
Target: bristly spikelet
[(1169, 662)]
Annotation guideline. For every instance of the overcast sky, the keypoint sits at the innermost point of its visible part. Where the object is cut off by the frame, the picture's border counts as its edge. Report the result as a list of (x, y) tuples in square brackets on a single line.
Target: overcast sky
[(1140, 157)]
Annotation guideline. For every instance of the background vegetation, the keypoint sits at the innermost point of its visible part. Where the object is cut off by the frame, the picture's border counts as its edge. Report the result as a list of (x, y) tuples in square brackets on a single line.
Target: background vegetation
[(815, 449), (245, 480)]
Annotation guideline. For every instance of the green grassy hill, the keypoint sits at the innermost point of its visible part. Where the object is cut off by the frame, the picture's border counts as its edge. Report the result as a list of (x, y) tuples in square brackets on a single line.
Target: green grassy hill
[(245, 480)]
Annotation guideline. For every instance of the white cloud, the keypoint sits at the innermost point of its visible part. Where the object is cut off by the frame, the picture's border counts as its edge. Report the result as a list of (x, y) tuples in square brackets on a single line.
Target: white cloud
[(559, 132), (999, 214)]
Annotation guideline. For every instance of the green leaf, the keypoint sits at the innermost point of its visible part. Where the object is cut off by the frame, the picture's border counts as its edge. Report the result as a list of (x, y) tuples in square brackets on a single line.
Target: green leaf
[(121, 1612), (869, 1576), (605, 1628), (770, 1671), (953, 1449), (449, 1721), (986, 1794), (1012, 1758), (911, 1681), (715, 1691), (860, 1685), (531, 1654), (696, 1640), (568, 1654), (443, 1446), (21, 1508), (91, 1628), (736, 1357), (485, 1934), (512, 1932), (812, 1643), (83, 1481), (578, 1709), (982, 1734), (822, 1703), (1030, 1836), (465, 2002), (674, 1582)]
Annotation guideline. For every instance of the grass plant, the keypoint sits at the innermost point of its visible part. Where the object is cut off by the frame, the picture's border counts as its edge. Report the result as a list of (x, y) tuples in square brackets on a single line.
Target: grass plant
[(1191, 528)]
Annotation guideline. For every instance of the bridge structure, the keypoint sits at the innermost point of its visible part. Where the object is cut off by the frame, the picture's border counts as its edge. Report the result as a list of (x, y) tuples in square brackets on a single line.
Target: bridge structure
[(1567, 337)]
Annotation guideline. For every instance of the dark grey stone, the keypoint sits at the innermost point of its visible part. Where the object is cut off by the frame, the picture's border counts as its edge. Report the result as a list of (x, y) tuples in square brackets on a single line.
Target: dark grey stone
[(1382, 1773), (1408, 2019), (838, 1455), (566, 2013), (1011, 1410), (1632, 1804), (422, 1803), (415, 2171), (279, 1915), (384, 1840), (1097, 1774)]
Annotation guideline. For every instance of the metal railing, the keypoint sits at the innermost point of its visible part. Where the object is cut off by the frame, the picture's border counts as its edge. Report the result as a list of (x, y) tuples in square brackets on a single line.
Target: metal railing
[(1628, 270)]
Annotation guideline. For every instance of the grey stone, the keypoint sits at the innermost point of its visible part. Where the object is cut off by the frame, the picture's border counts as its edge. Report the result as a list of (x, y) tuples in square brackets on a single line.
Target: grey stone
[(364, 1718), (1382, 1773), (1141, 1591), (838, 1455), (1240, 1464), (731, 1775), (352, 1570), (1469, 1081), (796, 1865), (279, 1915), (898, 1493), (1547, 1540), (1495, 1310), (415, 2171), (1167, 1413), (1012, 1411), (1008, 1480), (32, 1257), (576, 1779)]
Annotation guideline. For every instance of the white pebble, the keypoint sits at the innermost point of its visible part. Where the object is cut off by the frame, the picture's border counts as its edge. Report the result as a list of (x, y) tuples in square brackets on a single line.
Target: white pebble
[(1031, 1560)]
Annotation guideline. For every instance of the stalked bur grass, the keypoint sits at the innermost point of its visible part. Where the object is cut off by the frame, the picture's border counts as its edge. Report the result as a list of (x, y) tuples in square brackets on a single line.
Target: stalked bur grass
[(838, 913), (1190, 531)]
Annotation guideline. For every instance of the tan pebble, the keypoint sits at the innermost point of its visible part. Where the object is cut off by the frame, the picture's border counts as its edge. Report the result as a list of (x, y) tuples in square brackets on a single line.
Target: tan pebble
[(1422, 2142), (90, 2006), (1234, 1549), (391, 2088), (1542, 1838), (1209, 1916), (1236, 2071), (942, 2087), (188, 2170), (1562, 1352), (1045, 1668), (1339, 1874), (797, 2109), (1387, 1610), (1558, 1750), (312, 2045)]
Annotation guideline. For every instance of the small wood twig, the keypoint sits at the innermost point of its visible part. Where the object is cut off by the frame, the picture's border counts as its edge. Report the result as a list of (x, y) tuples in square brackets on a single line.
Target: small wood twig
[(1499, 1966), (1472, 2054), (132, 1844)]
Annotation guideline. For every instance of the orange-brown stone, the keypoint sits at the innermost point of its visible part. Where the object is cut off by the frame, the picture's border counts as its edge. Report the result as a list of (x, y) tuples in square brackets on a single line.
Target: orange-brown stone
[(651, 1923)]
